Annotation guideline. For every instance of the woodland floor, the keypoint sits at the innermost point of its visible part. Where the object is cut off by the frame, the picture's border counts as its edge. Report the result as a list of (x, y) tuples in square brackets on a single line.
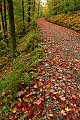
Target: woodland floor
[(56, 93)]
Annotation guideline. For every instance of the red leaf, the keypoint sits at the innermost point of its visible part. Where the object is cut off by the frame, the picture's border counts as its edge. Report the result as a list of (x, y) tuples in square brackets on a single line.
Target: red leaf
[(72, 92), (51, 95), (73, 100), (76, 70), (57, 96), (41, 105), (50, 107), (23, 104)]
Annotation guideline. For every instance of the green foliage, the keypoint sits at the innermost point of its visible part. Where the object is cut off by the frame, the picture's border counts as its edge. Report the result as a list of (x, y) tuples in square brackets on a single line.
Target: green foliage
[(26, 79), (23, 117), (64, 12), (18, 16), (55, 7), (3, 47), (33, 23), (17, 74), (35, 58), (33, 40), (70, 20)]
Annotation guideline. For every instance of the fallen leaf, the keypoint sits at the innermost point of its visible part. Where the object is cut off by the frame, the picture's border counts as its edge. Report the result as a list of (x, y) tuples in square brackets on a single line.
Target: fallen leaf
[(73, 109), (26, 96), (35, 86), (63, 98), (48, 86), (72, 92), (50, 115), (20, 93), (26, 100), (19, 99), (50, 107), (79, 109), (63, 112), (76, 70), (67, 109), (14, 110), (40, 84), (57, 96)]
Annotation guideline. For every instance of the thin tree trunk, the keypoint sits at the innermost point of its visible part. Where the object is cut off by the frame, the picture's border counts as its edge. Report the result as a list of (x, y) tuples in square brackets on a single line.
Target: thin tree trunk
[(0, 23), (38, 8), (29, 8), (12, 26), (2, 18), (5, 22), (23, 14), (34, 8)]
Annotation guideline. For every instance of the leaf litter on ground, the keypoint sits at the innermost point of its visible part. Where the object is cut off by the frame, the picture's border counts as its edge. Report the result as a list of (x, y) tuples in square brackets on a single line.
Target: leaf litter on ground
[(55, 94)]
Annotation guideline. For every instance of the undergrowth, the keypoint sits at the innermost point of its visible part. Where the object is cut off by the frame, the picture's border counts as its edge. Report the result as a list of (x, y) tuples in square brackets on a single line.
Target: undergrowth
[(21, 69), (70, 20), (30, 58)]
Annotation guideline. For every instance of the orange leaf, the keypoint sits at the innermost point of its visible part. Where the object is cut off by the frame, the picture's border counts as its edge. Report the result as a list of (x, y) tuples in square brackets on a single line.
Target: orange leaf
[(79, 109), (72, 92), (48, 86)]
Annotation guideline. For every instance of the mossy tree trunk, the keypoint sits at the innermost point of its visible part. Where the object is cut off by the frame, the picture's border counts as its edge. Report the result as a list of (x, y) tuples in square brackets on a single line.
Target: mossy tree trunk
[(12, 26)]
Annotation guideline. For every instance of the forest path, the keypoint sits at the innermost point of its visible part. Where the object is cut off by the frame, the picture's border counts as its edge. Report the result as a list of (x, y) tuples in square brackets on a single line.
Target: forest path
[(60, 71)]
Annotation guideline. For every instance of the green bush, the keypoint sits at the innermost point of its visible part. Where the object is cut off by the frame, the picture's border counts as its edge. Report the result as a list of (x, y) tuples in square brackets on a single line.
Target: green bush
[(2, 46), (33, 23), (33, 40)]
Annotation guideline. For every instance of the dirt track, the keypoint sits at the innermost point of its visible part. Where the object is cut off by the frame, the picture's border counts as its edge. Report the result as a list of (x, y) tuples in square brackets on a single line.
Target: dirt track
[(60, 71)]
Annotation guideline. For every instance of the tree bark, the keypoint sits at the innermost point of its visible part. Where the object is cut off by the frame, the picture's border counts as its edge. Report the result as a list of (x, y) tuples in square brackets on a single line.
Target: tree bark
[(12, 26), (23, 14), (34, 8), (29, 8), (2, 18), (5, 21)]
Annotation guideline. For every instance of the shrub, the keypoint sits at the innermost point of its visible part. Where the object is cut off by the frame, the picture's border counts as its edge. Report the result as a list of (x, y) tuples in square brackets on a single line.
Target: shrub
[(2, 46), (33, 40)]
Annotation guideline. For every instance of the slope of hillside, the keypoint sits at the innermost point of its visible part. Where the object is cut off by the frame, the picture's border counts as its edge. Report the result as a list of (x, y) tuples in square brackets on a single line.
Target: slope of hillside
[(70, 20)]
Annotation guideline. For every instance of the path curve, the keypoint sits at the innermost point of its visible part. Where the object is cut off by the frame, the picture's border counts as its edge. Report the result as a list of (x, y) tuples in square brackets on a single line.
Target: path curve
[(60, 71)]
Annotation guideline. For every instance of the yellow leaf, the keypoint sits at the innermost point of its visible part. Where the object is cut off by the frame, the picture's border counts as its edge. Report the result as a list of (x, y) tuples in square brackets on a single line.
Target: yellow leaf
[(19, 99), (50, 115), (67, 109), (14, 111), (63, 112)]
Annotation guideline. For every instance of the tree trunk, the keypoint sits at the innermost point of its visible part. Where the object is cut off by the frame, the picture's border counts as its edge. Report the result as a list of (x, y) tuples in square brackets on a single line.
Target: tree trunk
[(5, 22), (29, 8), (12, 26), (6, 36), (38, 8), (23, 14), (2, 18), (34, 8)]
